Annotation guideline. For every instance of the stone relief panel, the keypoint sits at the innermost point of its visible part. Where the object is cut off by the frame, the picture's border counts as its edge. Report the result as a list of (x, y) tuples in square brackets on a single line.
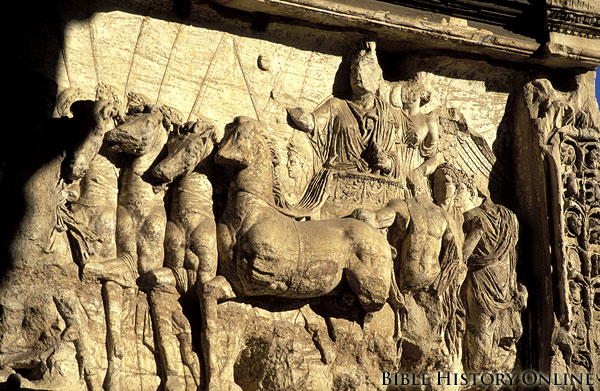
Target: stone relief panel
[(264, 212), (244, 259), (566, 126)]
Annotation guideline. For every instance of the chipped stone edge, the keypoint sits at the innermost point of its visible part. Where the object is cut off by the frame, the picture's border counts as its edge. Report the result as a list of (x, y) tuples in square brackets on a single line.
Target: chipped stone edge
[(379, 17)]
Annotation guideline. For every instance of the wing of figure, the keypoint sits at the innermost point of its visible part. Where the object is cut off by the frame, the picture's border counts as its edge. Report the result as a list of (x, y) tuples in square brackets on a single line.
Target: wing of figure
[(468, 150)]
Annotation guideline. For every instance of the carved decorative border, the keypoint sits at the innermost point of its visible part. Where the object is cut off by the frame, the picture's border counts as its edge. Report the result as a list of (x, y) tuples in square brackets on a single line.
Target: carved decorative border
[(398, 20), (568, 137), (571, 22)]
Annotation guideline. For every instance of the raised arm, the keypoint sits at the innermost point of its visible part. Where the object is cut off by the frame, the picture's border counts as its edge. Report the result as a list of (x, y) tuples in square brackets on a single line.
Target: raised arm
[(396, 210), (417, 176), (100, 116)]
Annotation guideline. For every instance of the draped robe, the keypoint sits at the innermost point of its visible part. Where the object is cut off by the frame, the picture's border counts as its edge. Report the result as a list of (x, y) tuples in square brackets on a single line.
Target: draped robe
[(344, 131)]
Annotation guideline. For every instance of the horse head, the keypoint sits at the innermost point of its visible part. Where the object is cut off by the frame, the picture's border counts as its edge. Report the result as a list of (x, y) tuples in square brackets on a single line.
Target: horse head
[(186, 151), (137, 135), (242, 143)]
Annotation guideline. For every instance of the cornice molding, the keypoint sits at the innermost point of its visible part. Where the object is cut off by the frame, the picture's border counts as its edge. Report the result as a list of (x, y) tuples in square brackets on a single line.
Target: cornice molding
[(578, 18), (560, 33)]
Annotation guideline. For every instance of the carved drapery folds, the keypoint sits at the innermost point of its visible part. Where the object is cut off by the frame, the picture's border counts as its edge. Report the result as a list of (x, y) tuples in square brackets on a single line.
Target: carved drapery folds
[(304, 248), (566, 127), (266, 195)]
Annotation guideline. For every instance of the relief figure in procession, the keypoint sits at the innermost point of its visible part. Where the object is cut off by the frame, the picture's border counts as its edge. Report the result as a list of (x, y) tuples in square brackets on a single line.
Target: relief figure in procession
[(344, 132), (493, 298), (429, 268), (368, 136), (141, 222), (88, 212), (190, 249)]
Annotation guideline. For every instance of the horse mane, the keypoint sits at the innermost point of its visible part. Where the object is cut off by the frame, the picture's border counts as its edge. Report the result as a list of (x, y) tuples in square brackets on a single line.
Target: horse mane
[(313, 197), (275, 160), (269, 142)]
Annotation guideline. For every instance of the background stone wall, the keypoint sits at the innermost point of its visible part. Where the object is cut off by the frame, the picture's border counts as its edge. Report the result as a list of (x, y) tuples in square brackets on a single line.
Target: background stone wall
[(216, 63)]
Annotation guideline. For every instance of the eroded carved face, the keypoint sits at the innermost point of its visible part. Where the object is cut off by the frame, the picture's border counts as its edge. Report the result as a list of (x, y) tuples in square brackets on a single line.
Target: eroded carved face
[(185, 153), (294, 167), (365, 74), (137, 135), (365, 78), (238, 145), (444, 187), (462, 199), (412, 93)]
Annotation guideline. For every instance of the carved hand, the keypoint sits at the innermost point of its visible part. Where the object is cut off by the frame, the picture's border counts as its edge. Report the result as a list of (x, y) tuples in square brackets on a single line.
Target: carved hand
[(71, 192), (474, 235), (302, 119), (366, 216), (380, 160)]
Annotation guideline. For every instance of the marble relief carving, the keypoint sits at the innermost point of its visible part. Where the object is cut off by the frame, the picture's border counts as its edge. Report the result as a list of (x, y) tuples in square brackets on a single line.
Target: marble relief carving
[(387, 236), (567, 127)]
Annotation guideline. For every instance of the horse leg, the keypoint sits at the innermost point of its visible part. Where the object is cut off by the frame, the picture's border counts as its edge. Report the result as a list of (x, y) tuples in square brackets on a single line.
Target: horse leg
[(203, 245), (314, 325), (189, 357), (114, 275), (211, 288), (187, 266), (104, 221), (218, 377), (112, 294), (150, 241), (369, 275), (123, 268), (174, 245), (166, 341), (151, 257)]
